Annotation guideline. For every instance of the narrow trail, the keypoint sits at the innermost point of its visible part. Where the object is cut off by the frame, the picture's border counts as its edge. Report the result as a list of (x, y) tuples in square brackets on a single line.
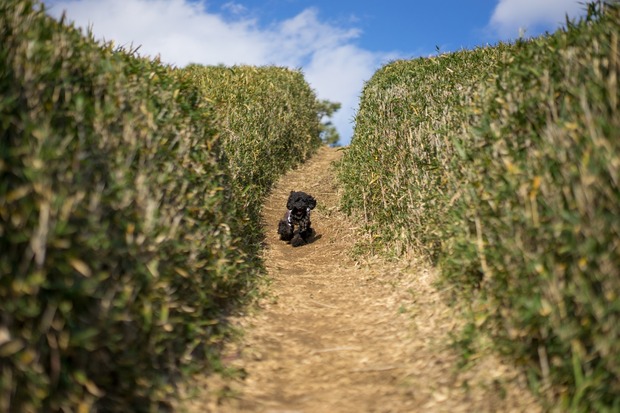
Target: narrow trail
[(335, 335)]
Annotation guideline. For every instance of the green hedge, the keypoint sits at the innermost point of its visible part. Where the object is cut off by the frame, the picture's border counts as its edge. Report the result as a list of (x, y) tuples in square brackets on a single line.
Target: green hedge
[(503, 164), (538, 218), (396, 171), (268, 121), (123, 238)]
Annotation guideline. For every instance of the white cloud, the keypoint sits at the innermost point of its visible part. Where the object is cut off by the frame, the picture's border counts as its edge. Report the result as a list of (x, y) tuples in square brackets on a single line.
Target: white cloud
[(179, 31), (341, 72), (235, 8), (532, 16), (185, 31)]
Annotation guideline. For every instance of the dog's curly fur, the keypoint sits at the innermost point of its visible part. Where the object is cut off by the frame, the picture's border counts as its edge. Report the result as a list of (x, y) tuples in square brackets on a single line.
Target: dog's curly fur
[(299, 205)]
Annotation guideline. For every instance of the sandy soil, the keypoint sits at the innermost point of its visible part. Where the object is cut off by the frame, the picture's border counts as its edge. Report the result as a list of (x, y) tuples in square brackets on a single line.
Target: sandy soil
[(337, 335)]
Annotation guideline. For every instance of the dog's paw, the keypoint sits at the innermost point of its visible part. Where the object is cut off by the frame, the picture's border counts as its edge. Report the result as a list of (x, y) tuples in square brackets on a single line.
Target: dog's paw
[(307, 235), (297, 241), (285, 231)]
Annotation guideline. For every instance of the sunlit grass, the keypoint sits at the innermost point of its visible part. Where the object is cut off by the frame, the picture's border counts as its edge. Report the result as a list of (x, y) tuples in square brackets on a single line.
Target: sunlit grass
[(502, 164), (129, 200)]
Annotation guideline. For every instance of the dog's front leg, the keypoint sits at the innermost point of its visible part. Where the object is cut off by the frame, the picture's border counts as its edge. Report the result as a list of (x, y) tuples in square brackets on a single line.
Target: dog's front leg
[(285, 230), (305, 232), (298, 241)]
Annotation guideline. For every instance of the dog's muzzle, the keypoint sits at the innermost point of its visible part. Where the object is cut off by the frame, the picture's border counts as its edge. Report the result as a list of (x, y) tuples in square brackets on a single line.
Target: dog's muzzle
[(296, 214)]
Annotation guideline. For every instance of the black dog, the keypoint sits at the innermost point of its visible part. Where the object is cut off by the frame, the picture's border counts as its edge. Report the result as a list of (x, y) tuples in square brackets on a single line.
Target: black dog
[(299, 205)]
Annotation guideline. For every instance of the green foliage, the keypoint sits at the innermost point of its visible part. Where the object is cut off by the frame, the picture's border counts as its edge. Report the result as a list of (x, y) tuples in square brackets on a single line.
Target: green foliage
[(395, 173), (267, 118), (539, 214), (502, 164), (124, 212), (329, 134)]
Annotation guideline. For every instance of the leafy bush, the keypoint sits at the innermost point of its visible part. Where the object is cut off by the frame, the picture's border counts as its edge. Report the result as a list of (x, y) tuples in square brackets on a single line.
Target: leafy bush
[(119, 231), (538, 217), (268, 120), (396, 171), (502, 163)]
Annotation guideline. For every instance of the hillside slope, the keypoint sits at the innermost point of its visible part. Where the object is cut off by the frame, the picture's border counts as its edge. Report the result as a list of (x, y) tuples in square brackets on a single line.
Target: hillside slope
[(335, 335)]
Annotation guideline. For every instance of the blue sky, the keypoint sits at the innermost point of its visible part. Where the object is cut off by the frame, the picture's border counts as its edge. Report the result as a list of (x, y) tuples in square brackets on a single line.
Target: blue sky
[(338, 44)]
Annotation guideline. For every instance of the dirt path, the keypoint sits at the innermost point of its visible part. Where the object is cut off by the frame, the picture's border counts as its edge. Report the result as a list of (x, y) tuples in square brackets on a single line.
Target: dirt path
[(334, 335)]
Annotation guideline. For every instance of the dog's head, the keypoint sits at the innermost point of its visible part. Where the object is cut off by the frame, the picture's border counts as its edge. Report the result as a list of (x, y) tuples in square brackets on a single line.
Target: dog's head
[(299, 203)]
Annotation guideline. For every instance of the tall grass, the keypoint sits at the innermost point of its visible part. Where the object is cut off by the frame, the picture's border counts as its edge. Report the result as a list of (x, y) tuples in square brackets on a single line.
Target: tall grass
[(268, 122), (502, 164), (123, 238), (538, 220), (396, 173)]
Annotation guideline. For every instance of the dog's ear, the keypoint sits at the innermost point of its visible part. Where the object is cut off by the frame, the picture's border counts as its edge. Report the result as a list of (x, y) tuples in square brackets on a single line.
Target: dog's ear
[(289, 203), (311, 202)]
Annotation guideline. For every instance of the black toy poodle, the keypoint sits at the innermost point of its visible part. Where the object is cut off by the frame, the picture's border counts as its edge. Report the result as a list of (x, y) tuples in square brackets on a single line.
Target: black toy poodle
[(299, 205)]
